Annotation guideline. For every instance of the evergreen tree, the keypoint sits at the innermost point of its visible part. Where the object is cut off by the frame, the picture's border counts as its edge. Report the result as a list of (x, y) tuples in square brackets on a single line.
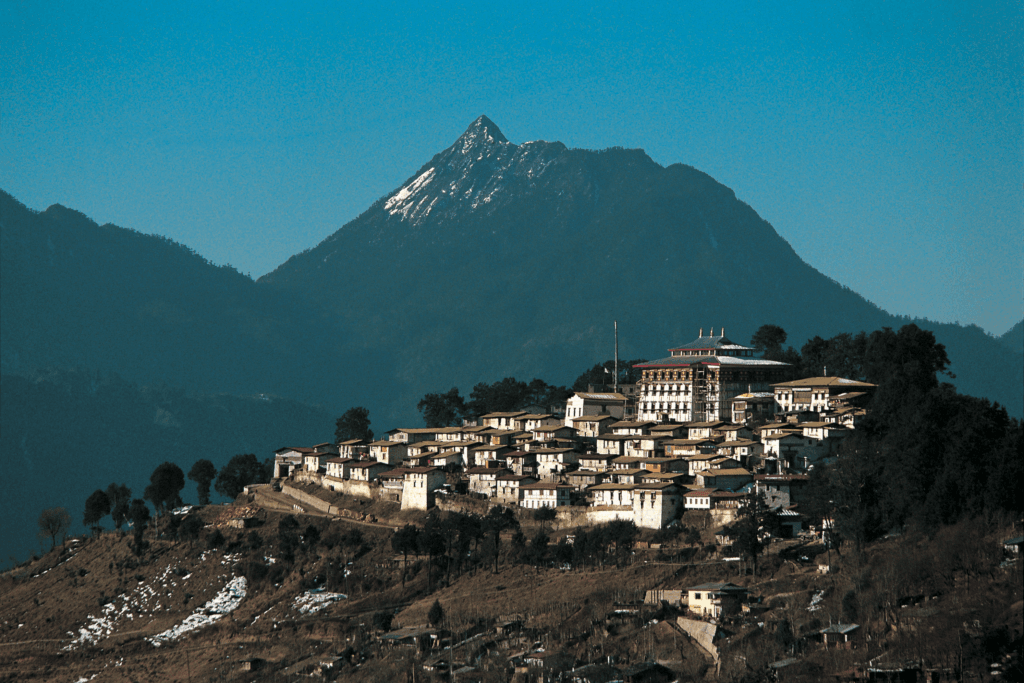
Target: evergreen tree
[(442, 410), (97, 506), (757, 523), (203, 473), (165, 485), (435, 615), (120, 497), (353, 424), (405, 541), (241, 471)]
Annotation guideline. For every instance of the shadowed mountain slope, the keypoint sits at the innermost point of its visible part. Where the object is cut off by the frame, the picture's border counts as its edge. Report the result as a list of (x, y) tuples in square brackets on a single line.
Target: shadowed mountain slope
[(1013, 338), (493, 260), (498, 259), (75, 294)]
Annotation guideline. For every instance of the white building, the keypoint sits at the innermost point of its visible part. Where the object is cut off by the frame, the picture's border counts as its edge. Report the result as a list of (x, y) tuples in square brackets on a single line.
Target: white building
[(699, 380), (815, 393), (390, 452), (420, 484), (584, 403), (545, 495), (655, 505)]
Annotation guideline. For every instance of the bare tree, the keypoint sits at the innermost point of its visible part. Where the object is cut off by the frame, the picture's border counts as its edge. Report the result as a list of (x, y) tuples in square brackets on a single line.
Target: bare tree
[(54, 522)]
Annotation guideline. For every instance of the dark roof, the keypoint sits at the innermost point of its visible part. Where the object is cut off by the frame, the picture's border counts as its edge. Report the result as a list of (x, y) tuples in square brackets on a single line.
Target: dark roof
[(731, 587), (644, 667)]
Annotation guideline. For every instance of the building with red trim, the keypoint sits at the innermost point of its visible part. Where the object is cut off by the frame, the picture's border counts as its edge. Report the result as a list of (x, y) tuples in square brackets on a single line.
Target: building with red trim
[(699, 380)]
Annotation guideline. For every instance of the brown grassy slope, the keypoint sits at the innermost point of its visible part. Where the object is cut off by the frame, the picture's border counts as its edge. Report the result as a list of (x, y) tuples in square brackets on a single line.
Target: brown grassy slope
[(955, 569)]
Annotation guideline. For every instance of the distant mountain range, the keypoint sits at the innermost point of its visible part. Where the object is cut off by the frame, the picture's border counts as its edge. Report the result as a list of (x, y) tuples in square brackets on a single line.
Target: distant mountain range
[(498, 259), (66, 433), (1013, 338), (492, 260)]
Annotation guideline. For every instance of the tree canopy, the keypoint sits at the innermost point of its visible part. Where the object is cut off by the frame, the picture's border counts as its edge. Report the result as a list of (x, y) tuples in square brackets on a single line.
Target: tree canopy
[(353, 424), (97, 506), (54, 523), (443, 410), (241, 470), (756, 523), (165, 485), (203, 473), (510, 394), (120, 496), (769, 340), (924, 453), (435, 615)]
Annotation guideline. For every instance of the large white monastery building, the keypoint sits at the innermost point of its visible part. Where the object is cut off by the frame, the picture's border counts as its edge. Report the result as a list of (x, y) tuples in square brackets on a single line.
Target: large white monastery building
[(698, 381)]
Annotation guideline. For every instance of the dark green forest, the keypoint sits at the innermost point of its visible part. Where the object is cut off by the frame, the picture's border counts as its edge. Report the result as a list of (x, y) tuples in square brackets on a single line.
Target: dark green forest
[(925, 455)]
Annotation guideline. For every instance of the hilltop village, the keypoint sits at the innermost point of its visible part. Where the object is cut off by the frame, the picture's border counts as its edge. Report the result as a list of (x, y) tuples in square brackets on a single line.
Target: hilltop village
[(667, 530), (704, 429)]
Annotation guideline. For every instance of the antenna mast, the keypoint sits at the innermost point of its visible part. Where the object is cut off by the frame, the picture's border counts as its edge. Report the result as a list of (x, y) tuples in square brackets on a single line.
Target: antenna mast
[(615, 381)]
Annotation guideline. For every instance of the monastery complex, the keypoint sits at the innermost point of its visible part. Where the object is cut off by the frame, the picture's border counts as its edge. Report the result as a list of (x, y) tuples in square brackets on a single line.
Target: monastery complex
[(705, 428)]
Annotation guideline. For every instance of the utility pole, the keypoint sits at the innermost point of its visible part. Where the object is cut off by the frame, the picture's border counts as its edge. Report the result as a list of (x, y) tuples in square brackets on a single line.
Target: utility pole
[(615, 381)]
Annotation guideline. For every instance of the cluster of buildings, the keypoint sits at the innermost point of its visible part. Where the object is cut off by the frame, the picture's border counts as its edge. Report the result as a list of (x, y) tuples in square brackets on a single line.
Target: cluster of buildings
[(701, 430)]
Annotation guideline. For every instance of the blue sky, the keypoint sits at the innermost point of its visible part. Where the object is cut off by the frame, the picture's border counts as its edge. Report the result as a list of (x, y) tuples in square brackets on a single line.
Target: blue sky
[(882, 140)]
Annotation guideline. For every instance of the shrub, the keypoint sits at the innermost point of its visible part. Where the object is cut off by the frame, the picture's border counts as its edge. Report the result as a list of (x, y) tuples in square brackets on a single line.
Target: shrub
[(382, 621), (544, 514), (215, 539), (254, 541), (436, 614), (255, 571)]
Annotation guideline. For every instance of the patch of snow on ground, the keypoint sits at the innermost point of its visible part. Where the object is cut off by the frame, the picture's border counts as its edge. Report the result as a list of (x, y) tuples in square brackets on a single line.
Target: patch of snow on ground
[(142, 600), (97, 628), (312, 601), (815, 601), (226, 601)]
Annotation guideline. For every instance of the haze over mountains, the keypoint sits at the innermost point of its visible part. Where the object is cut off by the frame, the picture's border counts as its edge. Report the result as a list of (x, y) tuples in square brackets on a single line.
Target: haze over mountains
[(492, 260), (498, 259)]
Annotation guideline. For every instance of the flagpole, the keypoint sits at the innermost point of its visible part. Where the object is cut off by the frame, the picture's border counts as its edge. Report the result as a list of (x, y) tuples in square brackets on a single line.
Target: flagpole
[(615, 382)]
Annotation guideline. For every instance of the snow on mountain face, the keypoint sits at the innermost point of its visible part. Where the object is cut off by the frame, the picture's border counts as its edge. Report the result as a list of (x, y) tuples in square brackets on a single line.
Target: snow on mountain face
[(400, 202), (473, 172)]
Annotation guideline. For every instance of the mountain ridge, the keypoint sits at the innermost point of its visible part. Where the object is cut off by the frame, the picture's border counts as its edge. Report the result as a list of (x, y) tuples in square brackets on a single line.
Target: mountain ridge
[(525, 257), (472, 231)]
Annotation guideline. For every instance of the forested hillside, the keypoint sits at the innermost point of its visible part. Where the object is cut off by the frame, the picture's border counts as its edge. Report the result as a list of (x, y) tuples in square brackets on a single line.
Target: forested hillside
[(63, 434)]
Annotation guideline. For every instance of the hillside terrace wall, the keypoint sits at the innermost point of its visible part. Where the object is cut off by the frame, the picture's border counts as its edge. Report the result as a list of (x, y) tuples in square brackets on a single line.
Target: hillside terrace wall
[(310, 501), (723, 517), (347, 487), (572, 517), (464, 505), (355, 487), (702, 632)]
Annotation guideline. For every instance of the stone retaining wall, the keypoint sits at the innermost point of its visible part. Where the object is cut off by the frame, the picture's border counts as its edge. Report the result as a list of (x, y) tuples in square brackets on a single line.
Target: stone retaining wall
[(702, 633), (310, 501)]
